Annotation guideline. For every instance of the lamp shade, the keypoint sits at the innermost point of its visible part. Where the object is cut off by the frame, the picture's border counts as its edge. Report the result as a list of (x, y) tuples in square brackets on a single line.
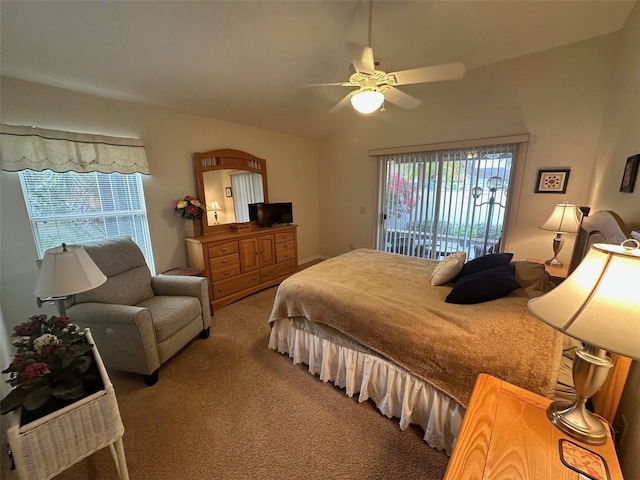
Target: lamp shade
[(367, 101), (215, 205), (599, 303), (67, 271), (565, 218)]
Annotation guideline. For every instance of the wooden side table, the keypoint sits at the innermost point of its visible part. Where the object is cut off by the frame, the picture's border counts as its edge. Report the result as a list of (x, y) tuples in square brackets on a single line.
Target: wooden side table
[(505, 434)]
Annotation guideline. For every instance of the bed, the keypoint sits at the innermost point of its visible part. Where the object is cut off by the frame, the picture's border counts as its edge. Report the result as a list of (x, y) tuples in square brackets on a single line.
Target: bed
[(393, 339)]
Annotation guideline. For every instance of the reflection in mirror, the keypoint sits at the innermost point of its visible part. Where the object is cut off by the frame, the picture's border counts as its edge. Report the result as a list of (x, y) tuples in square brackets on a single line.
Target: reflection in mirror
[(227, 194), (228, 181)]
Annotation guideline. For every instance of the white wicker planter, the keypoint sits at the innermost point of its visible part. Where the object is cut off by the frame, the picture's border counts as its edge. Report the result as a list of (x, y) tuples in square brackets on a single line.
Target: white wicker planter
[(45, 447)]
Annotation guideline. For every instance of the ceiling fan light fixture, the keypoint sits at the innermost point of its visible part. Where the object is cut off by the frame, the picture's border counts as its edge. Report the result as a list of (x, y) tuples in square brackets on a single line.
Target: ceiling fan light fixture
[(367, 101)]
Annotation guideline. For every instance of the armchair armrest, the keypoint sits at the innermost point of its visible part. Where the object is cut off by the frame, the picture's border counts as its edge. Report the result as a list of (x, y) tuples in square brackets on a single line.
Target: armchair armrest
[(185, 286), (178, 285), (124, 335)]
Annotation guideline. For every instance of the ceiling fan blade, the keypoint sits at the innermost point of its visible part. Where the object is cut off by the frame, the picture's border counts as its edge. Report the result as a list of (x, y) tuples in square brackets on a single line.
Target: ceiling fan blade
[(401, 99), (342, 103), (435, 73), (335, 84), (362, 56)]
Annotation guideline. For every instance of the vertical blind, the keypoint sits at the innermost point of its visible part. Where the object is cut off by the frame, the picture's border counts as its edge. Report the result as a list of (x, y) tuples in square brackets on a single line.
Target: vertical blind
[(438, 202), (247, 188)]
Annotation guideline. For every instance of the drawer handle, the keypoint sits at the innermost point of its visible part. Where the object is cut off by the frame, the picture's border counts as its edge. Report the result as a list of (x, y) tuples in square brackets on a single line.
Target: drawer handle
[(223, 249), (266, 274), (225, 261), (220, 289), (226, 273)]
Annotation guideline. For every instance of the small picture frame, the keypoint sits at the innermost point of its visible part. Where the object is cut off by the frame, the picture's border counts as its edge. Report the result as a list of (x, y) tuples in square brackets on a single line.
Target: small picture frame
[(630, 173), (228, 192), (552, 180)]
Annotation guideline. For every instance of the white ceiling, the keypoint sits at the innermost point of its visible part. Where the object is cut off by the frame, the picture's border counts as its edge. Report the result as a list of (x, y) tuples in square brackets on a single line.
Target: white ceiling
[(248, 61)]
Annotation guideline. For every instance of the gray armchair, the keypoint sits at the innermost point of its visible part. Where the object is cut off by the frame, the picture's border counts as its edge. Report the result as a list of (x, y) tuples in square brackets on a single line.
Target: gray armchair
[(137, 320)]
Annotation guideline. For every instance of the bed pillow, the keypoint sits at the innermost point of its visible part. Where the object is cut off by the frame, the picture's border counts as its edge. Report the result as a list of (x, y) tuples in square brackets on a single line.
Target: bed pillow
[(484, 286), (533, 278), (491, 260), (448, 269)]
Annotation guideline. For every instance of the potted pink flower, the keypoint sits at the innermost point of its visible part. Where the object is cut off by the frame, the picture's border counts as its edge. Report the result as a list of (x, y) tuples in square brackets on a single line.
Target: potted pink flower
[(53, 367)]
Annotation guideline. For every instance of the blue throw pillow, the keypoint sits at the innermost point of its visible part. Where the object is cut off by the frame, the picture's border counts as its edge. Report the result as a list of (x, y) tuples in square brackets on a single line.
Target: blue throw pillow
[(480, 264), (484, 286)]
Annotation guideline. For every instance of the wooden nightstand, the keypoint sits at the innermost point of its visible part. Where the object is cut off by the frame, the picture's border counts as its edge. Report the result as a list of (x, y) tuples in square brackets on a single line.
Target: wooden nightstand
[(505, 434)]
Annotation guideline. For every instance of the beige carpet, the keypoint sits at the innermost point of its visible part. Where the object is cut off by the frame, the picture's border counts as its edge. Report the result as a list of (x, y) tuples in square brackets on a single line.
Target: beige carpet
[(230, 408)]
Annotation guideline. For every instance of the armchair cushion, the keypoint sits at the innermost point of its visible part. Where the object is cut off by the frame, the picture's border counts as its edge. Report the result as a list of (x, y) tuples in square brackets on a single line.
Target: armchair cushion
[(171, 314), (128, 277)]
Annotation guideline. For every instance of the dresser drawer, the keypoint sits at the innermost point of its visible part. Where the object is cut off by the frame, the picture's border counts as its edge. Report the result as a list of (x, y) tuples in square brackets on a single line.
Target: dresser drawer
[(221, 249), (284, 237), (278, 270), (285, 251), (223, 268), (236, 284)]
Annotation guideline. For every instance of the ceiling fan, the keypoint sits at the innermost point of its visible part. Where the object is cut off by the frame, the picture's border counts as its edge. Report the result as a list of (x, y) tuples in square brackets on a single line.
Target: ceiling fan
[(376, 86)]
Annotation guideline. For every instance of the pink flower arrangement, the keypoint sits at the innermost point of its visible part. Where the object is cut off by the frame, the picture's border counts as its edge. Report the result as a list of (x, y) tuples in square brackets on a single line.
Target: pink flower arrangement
[(53, 365), (189, 207)]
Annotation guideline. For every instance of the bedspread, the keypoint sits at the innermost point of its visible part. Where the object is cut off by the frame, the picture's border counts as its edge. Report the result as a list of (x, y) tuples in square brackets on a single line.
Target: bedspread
[(386, 302)]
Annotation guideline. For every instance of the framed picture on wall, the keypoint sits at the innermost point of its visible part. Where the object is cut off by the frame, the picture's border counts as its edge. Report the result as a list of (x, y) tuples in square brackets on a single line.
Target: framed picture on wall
[(552, 180), (228, 192), (630, 173)]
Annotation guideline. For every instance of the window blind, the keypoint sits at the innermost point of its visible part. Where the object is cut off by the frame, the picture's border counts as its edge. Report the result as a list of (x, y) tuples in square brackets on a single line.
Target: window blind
[(437, 202), (76, 207)]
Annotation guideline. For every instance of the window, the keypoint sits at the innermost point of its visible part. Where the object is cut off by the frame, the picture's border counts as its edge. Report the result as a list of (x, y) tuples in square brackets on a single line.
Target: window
[(76, 207), (440, 201)]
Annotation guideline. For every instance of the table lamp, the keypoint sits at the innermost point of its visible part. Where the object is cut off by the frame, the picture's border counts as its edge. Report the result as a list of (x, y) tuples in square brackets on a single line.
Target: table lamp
[(65, 271), (599, 304), (215, 208), (565, 218)]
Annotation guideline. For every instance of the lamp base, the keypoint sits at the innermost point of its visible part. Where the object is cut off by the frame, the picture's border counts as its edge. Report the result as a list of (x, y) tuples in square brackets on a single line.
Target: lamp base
[(554, 262), (590, 369), (577, 422), (558, 242)]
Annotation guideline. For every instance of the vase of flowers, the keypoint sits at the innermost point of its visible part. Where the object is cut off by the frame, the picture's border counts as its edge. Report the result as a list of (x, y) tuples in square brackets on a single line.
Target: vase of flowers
[(52, 368), (191, 209)]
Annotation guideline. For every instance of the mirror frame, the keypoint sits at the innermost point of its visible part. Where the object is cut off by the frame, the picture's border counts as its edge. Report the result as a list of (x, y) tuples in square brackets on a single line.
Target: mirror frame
[(225, 159)]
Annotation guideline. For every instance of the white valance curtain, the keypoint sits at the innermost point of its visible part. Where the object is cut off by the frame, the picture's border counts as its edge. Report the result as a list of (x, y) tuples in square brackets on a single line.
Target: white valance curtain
[(29, 148)]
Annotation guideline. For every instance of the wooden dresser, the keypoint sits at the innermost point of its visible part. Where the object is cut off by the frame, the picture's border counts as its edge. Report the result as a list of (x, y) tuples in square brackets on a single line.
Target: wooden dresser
[(239, 263)]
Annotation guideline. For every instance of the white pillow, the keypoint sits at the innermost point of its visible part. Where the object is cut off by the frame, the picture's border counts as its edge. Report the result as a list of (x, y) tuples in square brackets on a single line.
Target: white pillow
[(448, 268)]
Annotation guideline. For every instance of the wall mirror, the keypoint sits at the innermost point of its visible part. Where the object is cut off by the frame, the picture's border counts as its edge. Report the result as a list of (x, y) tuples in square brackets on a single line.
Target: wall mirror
[(228, 181)]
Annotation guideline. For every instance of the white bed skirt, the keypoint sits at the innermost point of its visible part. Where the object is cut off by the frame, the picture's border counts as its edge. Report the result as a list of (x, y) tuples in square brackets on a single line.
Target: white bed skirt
[(395, 392)]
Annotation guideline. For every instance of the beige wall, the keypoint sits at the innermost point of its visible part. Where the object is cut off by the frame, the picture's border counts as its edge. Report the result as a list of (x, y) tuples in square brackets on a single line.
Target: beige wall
[(620, 138), (171, 139), (557, 96)]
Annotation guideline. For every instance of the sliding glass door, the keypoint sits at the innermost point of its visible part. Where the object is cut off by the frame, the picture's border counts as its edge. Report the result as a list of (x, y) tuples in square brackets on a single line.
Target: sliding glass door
[(438, 202)]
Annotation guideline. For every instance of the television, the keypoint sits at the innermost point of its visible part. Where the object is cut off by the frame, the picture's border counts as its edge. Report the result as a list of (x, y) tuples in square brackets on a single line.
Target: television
[(269, 214)]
